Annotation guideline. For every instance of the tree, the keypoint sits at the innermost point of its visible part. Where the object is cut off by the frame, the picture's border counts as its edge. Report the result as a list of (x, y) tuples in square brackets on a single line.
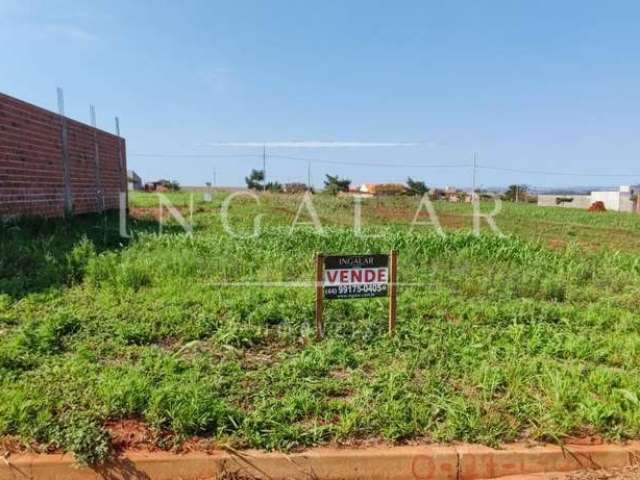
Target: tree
[(416, 187), (255, 179), (333, 184), (273, 187), (516, 193), (173, 186)]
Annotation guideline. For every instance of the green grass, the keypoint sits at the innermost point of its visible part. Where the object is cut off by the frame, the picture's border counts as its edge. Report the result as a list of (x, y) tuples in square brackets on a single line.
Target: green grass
[(498, 338)]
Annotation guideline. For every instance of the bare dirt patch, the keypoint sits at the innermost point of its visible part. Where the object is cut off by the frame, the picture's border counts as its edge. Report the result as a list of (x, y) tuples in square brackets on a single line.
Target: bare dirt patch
[(145, 213), (130, 435), (156, 213), (557, 244), (447, 220)]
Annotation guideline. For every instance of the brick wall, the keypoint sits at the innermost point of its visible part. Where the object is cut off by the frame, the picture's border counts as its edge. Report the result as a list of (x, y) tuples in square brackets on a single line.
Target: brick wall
[(32, 163)]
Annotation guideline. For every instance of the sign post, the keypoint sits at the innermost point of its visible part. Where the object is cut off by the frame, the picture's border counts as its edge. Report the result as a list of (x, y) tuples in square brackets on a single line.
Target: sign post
[(344, 277), (393, 291), (319, 295)]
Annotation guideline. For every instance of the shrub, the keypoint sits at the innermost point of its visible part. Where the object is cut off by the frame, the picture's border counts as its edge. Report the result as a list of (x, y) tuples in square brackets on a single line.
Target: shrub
[(82, 434), (78, 259)]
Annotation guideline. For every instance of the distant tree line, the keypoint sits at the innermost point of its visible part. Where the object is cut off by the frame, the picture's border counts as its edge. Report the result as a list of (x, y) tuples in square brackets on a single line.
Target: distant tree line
[(333, 185)]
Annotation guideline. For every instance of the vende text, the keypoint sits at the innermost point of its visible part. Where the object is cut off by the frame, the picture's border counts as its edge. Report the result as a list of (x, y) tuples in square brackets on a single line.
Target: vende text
[(356, 275)]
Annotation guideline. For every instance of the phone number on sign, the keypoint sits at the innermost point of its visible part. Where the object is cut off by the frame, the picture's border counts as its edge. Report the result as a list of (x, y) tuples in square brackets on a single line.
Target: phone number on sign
[(362, 288), (356, 290)]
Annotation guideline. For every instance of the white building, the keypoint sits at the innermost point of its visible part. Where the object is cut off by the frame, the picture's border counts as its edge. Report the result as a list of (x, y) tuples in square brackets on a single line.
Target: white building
[(621, 200)]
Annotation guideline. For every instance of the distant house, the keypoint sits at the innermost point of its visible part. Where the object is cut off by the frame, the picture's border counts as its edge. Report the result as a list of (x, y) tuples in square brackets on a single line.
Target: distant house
[(454, 195), (372, 189), (161, 185), (367, 188), (621, 200), (134, 181)]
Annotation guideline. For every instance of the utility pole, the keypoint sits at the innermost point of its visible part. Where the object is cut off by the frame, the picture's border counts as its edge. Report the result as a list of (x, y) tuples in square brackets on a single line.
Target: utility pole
[(309, 175), (264, 167), (214, 177), (473, 183), (517, 191)]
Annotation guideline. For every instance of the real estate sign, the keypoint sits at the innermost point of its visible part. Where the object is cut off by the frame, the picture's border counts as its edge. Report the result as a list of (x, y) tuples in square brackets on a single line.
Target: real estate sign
[(355, 276)]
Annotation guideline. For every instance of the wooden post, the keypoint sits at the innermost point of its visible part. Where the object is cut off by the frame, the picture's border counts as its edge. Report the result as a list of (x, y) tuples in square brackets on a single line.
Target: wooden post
[(393, 290), (319, 295)]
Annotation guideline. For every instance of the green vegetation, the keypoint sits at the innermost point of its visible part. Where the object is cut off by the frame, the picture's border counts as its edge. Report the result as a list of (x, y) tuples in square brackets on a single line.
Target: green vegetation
[(255, 180), (416, 187), (532, 335), (333, 184), (516, 193)]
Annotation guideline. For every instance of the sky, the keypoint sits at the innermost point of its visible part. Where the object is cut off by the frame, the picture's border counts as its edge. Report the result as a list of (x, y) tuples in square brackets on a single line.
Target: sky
[(375, 91)]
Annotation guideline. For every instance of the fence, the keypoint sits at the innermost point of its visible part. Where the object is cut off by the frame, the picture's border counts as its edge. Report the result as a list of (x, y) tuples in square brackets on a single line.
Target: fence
[(51, 165)]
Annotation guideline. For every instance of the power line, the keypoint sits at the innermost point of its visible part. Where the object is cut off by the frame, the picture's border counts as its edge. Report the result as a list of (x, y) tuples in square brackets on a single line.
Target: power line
[(309, 161), (301, 159), (195, 155)]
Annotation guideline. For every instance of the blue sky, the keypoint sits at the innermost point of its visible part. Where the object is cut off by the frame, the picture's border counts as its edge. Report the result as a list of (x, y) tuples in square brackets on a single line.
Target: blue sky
[(529, 85)]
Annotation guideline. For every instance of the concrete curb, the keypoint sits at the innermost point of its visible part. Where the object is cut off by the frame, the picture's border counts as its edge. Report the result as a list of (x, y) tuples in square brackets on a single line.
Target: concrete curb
[(429, 462)]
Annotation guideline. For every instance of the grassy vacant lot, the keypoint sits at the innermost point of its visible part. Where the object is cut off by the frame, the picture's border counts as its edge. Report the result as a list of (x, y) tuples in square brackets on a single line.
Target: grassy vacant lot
[(535, 335)]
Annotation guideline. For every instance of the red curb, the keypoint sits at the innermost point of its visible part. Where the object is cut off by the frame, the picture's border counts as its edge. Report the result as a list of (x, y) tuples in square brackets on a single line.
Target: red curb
[(423, 463), (463, 462), (477, 462)]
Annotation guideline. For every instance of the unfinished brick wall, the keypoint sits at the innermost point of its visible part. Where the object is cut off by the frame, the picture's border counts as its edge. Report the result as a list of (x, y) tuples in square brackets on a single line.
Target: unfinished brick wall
[(32, 163)]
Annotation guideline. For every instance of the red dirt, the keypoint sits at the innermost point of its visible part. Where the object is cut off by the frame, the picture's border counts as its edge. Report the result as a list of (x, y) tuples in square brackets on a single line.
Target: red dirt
[(144, 213), (11, 444), (557, 244), (447, 220), (584, 436), (597, 207), (130, 435)]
